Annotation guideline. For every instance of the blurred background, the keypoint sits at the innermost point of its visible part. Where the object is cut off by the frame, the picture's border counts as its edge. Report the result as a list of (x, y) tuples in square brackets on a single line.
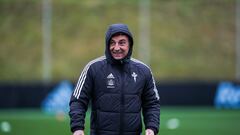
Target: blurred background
[(192, 47)]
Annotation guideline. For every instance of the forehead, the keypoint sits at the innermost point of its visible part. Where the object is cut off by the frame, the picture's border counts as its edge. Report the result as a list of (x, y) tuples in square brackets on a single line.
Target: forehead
[(119, 36)]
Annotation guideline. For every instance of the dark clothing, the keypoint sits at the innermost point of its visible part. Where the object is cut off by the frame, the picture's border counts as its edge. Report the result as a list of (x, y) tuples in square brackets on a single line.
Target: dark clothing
[(119, 91)]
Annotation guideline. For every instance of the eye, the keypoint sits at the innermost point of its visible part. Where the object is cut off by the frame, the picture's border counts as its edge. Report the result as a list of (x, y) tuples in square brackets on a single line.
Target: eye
[(112, 43), (122, 42)]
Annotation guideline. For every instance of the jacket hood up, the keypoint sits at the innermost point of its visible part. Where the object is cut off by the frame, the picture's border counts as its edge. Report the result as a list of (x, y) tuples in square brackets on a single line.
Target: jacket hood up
[(113, 29)]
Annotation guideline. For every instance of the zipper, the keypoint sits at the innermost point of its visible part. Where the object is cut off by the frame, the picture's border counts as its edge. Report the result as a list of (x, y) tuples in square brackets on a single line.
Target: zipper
[(122, 103)]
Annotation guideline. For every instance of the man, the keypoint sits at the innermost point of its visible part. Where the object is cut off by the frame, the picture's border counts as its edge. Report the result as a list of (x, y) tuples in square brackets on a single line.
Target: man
[(120, 88)]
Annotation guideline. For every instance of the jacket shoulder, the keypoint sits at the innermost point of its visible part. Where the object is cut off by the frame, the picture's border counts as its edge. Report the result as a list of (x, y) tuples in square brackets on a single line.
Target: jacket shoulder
[(96, 62), (139, 64)]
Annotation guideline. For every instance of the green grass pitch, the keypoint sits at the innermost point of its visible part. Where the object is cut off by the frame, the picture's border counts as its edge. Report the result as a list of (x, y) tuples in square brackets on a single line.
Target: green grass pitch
[(174, 121)]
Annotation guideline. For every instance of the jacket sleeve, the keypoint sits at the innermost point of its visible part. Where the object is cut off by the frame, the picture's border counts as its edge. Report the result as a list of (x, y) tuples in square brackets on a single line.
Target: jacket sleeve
[(80, 99), (151, 104)]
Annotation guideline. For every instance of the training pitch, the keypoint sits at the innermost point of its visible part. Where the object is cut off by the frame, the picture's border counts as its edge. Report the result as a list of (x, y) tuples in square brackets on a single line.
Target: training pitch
[(174, 121)]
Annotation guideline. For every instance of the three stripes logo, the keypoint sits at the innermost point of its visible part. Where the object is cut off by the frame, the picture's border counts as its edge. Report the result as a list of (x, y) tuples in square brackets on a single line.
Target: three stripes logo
[(83, 76)]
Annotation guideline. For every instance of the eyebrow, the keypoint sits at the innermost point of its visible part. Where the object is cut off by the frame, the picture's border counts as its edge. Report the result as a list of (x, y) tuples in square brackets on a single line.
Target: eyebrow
[(119, 40)]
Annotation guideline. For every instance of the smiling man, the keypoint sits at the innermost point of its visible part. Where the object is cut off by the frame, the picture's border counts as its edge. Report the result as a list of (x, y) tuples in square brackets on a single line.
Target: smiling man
[(119, 46), (121, 90)]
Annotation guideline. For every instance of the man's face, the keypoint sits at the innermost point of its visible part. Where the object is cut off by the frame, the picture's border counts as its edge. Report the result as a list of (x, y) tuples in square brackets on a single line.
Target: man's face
[(119, 46)]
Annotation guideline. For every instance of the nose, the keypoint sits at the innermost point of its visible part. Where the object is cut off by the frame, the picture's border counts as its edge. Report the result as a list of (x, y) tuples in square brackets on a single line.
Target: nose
[(116, 47)]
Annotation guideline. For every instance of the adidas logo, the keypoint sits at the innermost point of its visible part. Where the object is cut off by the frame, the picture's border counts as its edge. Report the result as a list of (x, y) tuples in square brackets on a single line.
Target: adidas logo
[(110, 76)]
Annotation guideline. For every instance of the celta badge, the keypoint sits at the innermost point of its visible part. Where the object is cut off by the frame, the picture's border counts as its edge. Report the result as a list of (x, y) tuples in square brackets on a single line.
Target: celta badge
[(134, 75), (110, 81)]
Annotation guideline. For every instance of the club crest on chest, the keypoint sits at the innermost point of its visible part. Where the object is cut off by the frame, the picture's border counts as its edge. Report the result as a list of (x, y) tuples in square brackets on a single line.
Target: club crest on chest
[(110, 81), (134, 75)]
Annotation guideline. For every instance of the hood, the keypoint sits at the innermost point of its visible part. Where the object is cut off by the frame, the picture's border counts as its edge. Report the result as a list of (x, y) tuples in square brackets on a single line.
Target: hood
[(113, 29)]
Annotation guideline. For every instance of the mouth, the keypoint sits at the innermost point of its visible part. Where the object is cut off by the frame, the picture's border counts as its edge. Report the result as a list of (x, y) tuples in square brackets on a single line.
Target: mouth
[(117, 52), (117, 55)]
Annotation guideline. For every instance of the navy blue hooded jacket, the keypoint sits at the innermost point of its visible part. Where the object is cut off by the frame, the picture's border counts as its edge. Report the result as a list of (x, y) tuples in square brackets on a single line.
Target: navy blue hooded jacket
[(119, 91)]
